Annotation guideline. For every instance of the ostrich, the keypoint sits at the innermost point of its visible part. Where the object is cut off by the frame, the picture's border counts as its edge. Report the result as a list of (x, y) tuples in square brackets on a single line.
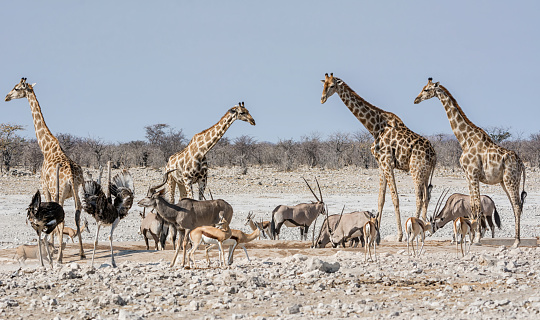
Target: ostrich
[(103, 208), (45, 217)]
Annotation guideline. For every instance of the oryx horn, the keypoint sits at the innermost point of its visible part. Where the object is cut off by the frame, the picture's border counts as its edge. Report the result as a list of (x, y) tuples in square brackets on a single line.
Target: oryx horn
[(340, 216), (440, 201), (312, 190), (320, 192)]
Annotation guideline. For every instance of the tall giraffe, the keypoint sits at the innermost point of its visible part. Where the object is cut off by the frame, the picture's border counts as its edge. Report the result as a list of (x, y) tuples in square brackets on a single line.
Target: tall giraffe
[(190, 163), (71, 174), (482, 160), (394, 146)]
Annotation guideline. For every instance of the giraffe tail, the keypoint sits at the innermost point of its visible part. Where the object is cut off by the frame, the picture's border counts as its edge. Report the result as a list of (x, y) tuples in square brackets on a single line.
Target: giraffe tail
[(523, 193)]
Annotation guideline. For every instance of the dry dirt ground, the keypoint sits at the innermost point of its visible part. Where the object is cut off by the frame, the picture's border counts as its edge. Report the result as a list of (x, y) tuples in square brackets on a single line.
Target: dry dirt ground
[(284, 279)]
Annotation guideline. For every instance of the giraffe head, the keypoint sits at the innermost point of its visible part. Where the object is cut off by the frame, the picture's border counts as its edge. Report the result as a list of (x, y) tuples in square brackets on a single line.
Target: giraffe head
[(330, 86), (20, 90), (241, 113), (429, 91)]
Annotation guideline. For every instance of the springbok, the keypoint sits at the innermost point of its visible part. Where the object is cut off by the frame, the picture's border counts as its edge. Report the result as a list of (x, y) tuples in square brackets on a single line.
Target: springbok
[(370, 235), (187, 214), (240, 238), (71, 233), (210, 235), (264, 225), (459, 205), (413, 228), (462, 227), (301, 215)]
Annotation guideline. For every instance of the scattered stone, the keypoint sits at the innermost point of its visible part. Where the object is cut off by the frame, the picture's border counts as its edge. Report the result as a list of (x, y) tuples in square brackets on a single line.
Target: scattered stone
[(294, 309), (318, 264)]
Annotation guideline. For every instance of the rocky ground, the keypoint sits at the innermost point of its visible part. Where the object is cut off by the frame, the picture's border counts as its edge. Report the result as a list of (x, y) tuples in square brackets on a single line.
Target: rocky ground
[(285, 279)]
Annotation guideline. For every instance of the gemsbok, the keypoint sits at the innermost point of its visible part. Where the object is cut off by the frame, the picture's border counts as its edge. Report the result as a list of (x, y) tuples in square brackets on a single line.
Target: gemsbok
[(301, 215), (459, 205)]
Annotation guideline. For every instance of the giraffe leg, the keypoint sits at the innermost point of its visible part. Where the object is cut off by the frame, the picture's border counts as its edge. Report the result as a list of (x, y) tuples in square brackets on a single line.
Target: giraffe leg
[(188, 188), (389, 173), (202, 187), (60, 230), (418, 180), (183, 191), (171, 187), (476, 210), (78, 207), (382, 195), (512, 191)]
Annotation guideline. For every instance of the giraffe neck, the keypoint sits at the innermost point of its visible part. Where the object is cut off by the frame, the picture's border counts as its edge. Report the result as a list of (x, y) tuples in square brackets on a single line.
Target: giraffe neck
[(206, 140), (462, 127), (371, 117), (46, 140)]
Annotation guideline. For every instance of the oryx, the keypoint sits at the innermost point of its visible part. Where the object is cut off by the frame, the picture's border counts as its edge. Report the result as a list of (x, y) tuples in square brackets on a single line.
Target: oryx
[(459, 205), (301, 215), (350, 226)]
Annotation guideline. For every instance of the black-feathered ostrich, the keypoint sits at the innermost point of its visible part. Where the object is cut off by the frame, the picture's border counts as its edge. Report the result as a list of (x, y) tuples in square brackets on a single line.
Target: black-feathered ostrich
[(103, 208), (45, 217)]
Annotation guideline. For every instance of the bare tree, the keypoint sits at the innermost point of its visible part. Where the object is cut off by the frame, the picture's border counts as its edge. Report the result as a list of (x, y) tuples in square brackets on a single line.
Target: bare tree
[(10, 143), (364, 139), (68, 142), (244, 147), (97, 146), (339, 146), (311, 149), (167, 140), (498, 134), (285, 150), (221, 154), (32, 156)]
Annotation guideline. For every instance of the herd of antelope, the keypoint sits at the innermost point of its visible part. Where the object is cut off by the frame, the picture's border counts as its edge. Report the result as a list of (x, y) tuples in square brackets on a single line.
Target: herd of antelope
[(202, 221)]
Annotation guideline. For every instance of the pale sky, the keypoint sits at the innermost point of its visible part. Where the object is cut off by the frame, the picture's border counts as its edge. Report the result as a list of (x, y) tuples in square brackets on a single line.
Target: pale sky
[(106, 69)]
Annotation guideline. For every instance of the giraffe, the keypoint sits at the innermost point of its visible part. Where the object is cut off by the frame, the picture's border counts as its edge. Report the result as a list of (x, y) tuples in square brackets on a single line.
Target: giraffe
[(190, 163), (482, 160), (70, 175), (394, 147)]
